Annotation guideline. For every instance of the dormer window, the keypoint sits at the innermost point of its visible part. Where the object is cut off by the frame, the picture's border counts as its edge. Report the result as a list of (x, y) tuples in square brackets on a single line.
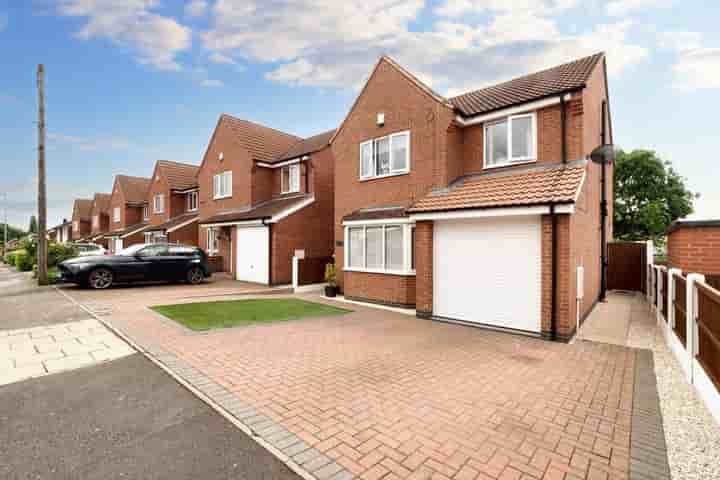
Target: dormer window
[(511, 140), (385, 156), (290, 179), (192, 201)]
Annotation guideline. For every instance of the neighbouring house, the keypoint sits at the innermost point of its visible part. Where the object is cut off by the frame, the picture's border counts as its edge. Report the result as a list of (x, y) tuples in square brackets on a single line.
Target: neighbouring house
[(173, 200), (265, 195), (693, 246), (481, 208), (81, 223), (129, 212), (61, 233), (100, 218)]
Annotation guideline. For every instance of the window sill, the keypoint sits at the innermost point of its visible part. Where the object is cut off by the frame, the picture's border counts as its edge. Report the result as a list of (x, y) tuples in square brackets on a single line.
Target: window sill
[(378, 177), (405, 273), (220, 198), (509, 164)]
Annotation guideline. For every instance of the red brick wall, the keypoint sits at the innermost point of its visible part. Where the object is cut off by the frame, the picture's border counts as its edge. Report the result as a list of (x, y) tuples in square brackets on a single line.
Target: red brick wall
[(695, 250), (398, 290), (565, 322), (424, 268), (159, 186), (187, 235)]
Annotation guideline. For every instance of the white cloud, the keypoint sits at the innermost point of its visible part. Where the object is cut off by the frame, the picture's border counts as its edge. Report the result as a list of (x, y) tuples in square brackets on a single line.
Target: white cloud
[(88, 144), (457, 8), (196, 8), (680, 41), (620, 8), (222, 59), (698, 68), (156, 39), (208, 83)]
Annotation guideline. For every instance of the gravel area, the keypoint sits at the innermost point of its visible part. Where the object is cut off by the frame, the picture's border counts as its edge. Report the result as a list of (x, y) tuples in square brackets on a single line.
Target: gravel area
[(692, 435)]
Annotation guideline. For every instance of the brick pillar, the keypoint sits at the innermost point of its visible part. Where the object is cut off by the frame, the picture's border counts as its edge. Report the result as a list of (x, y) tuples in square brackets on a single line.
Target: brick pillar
[(424, 268)]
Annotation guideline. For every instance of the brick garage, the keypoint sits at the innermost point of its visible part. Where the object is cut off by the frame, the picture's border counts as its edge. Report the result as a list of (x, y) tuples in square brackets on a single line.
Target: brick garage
[(693, 246)]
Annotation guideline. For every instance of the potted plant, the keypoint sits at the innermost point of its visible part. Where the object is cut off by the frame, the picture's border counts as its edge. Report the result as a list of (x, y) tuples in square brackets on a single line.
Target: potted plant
[(331, 279)]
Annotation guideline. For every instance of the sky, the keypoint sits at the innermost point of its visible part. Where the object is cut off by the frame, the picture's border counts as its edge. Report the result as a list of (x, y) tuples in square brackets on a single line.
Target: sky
[(129, 82)]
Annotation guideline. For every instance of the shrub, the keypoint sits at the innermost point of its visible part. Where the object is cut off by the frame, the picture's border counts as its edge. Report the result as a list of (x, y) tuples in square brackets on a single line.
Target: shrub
[(330, 274), (58, 253), (23, 261)]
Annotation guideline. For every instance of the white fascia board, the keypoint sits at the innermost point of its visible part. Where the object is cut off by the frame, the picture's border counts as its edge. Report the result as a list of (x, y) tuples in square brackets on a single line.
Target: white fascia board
[(492, 212), (283, 164), (181, 225), (246, 223), (505, 112), (291, 210), (386, 221), (135, 231), (187, 190)]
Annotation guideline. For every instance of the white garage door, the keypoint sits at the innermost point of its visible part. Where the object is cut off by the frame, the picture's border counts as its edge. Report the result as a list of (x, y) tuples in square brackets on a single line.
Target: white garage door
[(253, 249), (487, 271)]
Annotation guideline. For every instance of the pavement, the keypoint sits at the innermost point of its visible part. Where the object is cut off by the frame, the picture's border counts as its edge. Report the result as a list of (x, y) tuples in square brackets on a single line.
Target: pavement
[(375, 394), (122, 419)]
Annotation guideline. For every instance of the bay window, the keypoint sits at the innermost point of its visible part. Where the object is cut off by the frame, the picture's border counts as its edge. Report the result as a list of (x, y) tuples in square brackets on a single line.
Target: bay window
[(290, 179), (222, 185), (511, 140), (378, 247), (385, 156)]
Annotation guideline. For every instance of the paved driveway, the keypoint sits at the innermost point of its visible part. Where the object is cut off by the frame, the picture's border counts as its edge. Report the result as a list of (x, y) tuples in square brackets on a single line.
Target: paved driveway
[(377, 394)]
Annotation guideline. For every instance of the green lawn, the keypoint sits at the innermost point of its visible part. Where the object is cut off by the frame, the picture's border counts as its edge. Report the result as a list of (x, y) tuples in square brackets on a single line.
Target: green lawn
[(209, 315)]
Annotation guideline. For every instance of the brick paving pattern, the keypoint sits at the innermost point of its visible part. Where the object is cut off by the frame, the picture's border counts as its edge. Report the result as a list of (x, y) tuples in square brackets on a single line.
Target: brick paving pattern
[(379, 395)]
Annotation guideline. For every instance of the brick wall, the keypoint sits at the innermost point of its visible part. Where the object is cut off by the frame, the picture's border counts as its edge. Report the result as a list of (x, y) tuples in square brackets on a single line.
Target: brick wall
[(424, 268), (395, 290), (694, 250), (187, 235), (565, 323)]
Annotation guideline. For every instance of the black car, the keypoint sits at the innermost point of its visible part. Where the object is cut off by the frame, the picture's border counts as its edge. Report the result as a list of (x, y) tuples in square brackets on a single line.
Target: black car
[(154, 262)]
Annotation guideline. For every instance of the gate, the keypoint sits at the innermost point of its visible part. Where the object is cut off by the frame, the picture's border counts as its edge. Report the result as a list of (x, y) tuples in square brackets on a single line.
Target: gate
[(627, 266)]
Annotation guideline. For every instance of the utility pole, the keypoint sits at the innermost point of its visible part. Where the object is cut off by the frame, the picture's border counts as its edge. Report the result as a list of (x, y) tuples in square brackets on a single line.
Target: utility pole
[(42, 202)]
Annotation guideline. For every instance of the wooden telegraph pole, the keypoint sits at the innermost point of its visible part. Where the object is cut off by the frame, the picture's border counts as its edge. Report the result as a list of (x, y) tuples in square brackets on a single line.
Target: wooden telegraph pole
[(42, 202)]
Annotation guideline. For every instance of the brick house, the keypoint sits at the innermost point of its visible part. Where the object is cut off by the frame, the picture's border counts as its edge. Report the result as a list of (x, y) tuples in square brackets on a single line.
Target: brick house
[(481, 208), (693, 246), (61, 233), (81, 224), (265, 194), (129, 213), (100, 218), (173, 200)]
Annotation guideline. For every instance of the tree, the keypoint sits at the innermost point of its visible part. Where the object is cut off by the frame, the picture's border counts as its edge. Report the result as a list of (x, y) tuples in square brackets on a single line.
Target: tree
[(33, 224), (649, 196)]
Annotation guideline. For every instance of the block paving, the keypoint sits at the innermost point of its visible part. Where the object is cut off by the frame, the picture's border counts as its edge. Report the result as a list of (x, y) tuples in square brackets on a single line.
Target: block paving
[(379, 395)]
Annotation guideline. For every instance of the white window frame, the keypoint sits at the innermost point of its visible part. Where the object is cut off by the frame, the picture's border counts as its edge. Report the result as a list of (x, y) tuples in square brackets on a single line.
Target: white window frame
[(76, 226), (116, 215), (146, 212), (211, 240), (148, 237), (293, 178), (222, 185), (511, 160), (392, 172), (96, 221), (192, 201), (406, 227), (159, 203)]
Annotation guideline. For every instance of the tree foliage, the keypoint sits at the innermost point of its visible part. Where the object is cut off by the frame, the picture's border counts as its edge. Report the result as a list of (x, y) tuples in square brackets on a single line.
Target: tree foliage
[(12, 232), (649, 195), (33, 228)]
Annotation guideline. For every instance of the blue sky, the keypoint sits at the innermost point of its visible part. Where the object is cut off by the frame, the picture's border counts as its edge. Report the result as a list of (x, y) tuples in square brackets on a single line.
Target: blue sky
[(133, 81)]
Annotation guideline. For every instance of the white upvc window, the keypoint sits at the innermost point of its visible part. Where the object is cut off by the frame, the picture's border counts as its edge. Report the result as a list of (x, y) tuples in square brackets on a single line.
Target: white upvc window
[(76, 226), (96, 222), (380, 247), (222, 185), (116, 214), (192, 201), (511, 140), (159, 203), (385, 156), (212, 240), (146, 212), (290, 179), (148, 237)]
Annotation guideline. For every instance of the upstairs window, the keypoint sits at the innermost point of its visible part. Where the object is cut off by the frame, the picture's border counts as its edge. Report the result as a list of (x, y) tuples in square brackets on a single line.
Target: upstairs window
[(159, 203), (192, 201), (511, 140), (146, 212), (290, 179), (385, 156), (222, 185), (116, 214), (76, 226), (96, 222)]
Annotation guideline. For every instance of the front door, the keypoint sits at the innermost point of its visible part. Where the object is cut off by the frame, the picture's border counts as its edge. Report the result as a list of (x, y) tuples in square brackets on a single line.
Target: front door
[(253, 254)]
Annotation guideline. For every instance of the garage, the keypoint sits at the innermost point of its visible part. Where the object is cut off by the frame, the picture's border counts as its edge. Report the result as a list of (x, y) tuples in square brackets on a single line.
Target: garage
[(488, 271), (253, 254)]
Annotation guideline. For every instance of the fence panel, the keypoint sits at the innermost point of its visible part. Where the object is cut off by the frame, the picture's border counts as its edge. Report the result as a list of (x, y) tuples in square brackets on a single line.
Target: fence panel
[(664, 301), (626, 266), (312, 270), (680, 309), (708, 322)]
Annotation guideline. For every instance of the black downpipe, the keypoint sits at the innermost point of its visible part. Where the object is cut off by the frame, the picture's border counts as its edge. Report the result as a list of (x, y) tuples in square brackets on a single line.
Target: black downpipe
[(603, 212), (563, 129), (553, 304)]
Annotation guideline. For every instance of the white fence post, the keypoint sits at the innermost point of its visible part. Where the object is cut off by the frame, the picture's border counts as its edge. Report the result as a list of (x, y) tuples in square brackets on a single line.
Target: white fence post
[(650, 252), (295, 272)]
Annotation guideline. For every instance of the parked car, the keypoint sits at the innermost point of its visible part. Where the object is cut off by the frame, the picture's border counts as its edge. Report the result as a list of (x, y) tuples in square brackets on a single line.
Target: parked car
[(89, 249), (157, 262)]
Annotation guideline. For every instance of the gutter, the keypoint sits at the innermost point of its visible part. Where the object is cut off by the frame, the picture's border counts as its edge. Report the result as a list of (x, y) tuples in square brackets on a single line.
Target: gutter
[(554, 270), (512, 110)]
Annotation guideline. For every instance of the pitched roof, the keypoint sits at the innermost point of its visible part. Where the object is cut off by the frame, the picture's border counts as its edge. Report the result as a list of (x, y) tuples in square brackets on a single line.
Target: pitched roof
[(174, 222), (83, 207), (552, 81), (134, 188), (180, 176), (307, 146), (534, 186), (262, 211), (263, 143), (138, 227), (102, 202)]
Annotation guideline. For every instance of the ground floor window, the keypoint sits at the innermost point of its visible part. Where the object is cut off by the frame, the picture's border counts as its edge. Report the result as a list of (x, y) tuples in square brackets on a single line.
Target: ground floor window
[(212, 240), (380, 247)]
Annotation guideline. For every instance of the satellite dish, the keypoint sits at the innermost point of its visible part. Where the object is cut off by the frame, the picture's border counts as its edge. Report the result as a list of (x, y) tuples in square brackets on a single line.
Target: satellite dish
[(603, 154)]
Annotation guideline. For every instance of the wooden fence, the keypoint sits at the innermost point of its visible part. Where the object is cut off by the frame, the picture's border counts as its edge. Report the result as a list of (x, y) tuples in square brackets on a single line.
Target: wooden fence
[(680, 309), (312, 270), (708, 322)]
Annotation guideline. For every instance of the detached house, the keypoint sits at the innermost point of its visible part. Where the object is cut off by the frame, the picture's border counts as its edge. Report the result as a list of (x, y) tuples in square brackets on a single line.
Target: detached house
[(129, 213), (81, 224), (100, 218), (481, 208), (173, 201), (61, 233), (265, 195)]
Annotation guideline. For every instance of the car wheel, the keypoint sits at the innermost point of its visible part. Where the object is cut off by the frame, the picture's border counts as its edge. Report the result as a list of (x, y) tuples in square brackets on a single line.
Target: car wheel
[(100, 278), (195, 276)]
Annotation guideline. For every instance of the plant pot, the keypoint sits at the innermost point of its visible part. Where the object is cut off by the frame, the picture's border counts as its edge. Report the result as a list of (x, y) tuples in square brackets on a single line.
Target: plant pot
[(330, 290)]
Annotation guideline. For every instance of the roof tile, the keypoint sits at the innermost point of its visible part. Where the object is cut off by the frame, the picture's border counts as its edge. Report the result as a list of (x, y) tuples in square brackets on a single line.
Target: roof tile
[(134, 188), (260, 211), (263, 143), (180, 176)]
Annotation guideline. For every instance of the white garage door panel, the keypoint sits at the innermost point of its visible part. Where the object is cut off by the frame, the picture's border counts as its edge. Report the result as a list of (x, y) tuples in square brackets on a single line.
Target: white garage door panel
[(253, 244), (488, 271)]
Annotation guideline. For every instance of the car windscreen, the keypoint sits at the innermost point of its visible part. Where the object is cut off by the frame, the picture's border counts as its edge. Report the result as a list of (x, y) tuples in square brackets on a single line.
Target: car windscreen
[(132, 250)]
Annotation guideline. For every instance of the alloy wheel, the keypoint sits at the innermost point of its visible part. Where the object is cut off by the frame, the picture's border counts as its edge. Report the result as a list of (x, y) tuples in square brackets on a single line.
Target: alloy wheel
[(100, 278)]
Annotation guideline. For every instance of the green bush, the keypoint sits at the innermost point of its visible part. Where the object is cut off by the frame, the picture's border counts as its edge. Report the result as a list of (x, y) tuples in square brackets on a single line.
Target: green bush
[(23, 261), (11, 256), (58, 253)]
